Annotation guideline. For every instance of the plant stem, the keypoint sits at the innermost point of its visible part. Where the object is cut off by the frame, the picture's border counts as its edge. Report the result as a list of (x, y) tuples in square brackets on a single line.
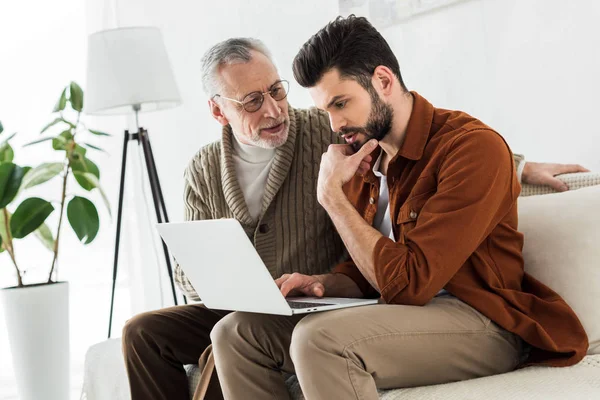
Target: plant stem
[(62, 204), (10, 249), (60, 218)]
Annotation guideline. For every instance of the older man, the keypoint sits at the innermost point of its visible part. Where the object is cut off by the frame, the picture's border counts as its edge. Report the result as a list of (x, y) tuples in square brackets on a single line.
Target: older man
[(263, 172)]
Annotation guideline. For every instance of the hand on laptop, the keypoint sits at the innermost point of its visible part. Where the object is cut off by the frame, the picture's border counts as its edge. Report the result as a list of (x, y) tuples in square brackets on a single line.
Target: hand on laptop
[(298, 284)]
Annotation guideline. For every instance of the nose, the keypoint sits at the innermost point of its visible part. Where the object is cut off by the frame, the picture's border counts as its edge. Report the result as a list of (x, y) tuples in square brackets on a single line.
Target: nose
[(271, 107), (336, 122)]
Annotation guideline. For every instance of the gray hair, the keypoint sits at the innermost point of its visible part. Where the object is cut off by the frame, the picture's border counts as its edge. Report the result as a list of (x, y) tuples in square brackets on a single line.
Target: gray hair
[(230, 51)]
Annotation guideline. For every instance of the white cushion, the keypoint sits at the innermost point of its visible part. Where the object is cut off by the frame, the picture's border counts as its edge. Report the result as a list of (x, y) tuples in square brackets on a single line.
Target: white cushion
[(562, 250)]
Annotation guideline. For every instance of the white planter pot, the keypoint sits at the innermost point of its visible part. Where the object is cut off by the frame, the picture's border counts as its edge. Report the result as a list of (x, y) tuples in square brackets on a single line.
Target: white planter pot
[(37, 318)]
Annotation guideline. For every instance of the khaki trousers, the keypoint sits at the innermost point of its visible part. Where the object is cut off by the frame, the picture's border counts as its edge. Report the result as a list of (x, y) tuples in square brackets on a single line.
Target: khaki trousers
[(350, 353), (157, 344)]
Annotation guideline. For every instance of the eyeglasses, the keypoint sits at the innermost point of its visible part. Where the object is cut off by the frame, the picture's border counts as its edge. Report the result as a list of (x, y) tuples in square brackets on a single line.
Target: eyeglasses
[(252, 102)]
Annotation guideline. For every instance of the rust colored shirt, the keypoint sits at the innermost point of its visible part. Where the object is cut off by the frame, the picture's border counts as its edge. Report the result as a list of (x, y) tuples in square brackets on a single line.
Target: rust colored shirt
[(453, 195)]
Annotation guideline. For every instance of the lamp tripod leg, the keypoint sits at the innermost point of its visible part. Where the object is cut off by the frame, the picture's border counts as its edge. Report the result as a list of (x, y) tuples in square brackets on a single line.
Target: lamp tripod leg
[(118, 234), (158, 199)]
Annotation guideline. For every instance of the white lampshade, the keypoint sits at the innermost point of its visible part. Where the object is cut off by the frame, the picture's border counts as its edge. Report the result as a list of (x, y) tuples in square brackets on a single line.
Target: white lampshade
[(127, 67)]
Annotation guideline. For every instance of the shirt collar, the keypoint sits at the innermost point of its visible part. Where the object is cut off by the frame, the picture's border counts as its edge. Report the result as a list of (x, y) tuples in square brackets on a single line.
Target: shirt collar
[(418, 129), (376, 165)]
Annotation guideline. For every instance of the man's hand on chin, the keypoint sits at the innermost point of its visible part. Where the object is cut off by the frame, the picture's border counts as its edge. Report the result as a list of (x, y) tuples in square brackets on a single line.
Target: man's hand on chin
[(338, 165), (544, 174)]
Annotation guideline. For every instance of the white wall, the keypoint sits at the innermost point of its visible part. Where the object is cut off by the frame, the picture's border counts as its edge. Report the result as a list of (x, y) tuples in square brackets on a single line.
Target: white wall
[(528, 68)]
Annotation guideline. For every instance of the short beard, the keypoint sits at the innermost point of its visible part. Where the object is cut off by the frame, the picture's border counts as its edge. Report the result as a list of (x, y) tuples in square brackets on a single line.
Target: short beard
[(272, 143), (379, 123)]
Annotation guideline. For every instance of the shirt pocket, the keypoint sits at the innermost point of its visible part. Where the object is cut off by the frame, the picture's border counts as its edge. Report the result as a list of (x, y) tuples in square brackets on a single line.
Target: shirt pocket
[(409, 213)]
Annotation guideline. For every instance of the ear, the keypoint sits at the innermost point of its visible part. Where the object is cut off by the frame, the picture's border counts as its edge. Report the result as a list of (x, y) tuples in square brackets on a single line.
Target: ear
[(383, 80), (217, 113)]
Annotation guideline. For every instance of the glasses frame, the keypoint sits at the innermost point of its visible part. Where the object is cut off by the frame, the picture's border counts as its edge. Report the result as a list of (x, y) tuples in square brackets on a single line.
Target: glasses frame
[(262, 96)]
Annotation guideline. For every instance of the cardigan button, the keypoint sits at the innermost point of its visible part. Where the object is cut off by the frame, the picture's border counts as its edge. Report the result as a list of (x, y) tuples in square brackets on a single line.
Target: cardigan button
[(371, 200), (263, 228), (413, 214)]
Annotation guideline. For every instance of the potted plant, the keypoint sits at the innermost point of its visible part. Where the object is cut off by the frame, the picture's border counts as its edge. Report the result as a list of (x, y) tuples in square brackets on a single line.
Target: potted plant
[(37, 313)]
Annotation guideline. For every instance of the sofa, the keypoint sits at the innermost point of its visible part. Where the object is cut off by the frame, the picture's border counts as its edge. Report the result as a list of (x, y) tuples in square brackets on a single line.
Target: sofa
[(562, 249)]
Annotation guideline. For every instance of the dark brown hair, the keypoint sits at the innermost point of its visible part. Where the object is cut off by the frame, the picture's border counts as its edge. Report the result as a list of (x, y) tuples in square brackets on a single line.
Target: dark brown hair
[(352, 45)]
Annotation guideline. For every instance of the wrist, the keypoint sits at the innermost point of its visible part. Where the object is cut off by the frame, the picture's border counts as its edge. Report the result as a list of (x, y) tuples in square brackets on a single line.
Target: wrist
[(331, 196), (522, 173)]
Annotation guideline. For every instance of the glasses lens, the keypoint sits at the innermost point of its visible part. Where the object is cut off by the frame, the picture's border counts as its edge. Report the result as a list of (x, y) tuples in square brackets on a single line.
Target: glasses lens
[(253, 101), (280, 90)]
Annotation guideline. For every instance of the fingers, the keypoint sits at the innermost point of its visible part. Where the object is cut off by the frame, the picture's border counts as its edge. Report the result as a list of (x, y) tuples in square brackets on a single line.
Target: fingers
[(572, 168), (316, 289), (307, 285), (363, 168), (582, 169), (559, 169), (556, 184), (294, 281), (279, 281), (344, 149), (366, 150)]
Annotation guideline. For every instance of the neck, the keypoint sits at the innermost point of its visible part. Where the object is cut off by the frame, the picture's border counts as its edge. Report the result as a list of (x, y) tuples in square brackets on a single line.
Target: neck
[(402, 106)]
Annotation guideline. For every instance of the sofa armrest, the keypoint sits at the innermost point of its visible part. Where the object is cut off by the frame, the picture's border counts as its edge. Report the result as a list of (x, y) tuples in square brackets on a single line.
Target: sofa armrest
[(574, 181)]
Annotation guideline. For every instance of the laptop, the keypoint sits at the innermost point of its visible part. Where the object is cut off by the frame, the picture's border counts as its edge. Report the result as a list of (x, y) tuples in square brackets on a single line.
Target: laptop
[(228, 274)]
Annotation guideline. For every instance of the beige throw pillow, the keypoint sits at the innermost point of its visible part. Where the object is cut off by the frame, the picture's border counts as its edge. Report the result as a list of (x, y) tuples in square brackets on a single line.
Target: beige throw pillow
[(562, 250)]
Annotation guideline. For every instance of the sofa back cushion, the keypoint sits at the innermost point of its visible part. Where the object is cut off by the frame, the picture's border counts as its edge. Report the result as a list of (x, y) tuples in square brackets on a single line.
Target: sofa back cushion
[(562, 250)]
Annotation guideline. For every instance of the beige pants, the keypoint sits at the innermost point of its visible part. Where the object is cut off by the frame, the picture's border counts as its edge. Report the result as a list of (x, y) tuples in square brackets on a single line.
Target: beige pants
[(350, 353)]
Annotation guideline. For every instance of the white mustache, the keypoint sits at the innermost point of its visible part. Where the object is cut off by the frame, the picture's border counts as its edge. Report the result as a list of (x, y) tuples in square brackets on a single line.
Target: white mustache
[(273, 125)]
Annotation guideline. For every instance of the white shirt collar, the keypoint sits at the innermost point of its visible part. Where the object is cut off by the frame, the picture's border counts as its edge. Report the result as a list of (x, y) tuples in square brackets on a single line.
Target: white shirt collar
[(377, 165)]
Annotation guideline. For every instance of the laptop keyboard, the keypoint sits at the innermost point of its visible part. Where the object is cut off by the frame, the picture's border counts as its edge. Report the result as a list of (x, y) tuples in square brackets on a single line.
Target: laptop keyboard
[(302, 304)]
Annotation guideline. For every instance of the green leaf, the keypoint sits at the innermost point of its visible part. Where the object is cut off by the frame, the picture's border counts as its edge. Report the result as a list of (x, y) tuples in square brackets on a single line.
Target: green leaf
[(45, 236), (83, 218), (79, 163), (3, 233), (25, 173), (1, 247), (42, 173), (98, 133), (62, 101), (80, 150), (92, 182), (38, 141), (61, 142), (76, 97), (29, 215), (1, 127), (91, 146), (51, 124), (6, 153), (11, 176)]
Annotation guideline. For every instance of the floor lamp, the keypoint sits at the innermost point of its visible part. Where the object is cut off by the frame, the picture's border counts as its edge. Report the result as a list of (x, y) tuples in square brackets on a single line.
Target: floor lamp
[(128, 71)]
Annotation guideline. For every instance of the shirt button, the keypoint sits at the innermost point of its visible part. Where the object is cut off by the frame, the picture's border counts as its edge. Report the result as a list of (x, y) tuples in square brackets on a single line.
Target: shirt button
[(371, 201), (413, 214), (263, 228)]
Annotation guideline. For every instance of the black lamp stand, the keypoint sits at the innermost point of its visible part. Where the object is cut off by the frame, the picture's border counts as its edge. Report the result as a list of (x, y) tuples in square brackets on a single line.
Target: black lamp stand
[(159, 206)]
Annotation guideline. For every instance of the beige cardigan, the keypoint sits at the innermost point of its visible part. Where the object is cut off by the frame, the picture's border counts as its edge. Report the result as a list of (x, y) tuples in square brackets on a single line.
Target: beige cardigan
[(293, 232)]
